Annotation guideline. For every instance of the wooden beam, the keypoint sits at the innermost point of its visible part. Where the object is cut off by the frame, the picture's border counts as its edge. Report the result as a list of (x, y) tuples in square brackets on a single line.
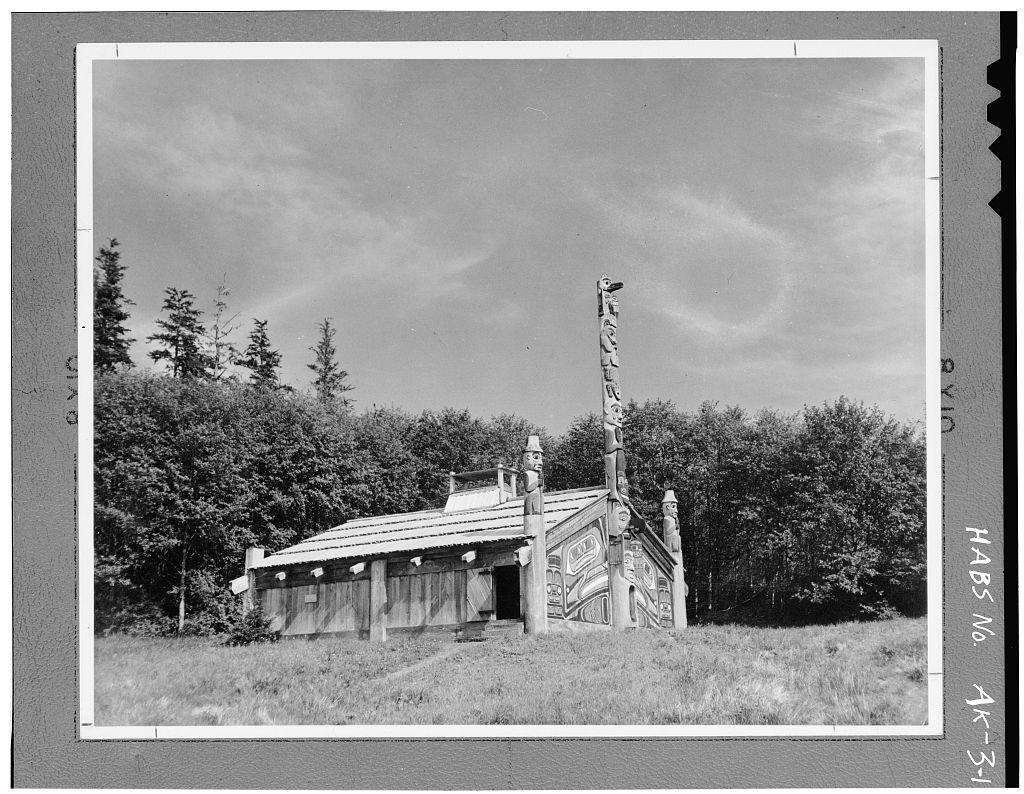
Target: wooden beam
[(281, 576), (417, 561), (359, 567), (378, 600), (469, 556), (316, 573), (253, 557)]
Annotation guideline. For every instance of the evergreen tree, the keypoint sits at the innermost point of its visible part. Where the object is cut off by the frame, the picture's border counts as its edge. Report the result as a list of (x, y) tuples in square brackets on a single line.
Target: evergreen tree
[(330, 382), (223, 352), (181, 337), (262, 362), (110, 336)]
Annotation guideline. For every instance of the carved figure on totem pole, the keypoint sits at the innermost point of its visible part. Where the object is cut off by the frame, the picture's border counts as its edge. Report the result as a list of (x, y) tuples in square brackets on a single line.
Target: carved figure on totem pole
[(670, 522), (533, 469), (609, 346), (605, 288), (622, 517)]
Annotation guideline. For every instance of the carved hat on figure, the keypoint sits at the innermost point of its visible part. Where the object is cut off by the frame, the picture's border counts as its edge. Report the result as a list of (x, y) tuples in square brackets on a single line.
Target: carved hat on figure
[(533, 455), (669, 504)]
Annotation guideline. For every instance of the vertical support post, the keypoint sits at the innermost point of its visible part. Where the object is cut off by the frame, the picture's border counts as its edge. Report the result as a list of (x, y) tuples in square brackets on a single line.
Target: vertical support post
[(618, 514), (253, 557), (378, 601), (535, 572), (670, 533)]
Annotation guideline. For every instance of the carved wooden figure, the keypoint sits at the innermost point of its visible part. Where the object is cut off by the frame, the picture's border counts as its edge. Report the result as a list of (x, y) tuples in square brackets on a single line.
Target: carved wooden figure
[(670, 533), (670, 522), (533, 468), (535, 572)]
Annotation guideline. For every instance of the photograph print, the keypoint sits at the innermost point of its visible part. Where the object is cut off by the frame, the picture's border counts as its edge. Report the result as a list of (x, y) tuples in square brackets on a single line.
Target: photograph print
[(544, 389)]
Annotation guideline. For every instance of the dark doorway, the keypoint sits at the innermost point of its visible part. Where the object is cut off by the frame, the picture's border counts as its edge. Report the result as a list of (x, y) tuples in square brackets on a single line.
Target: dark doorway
[(506, 592)]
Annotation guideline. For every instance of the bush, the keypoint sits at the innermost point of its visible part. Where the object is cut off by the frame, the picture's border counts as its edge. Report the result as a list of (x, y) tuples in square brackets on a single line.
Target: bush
[(251, 627)]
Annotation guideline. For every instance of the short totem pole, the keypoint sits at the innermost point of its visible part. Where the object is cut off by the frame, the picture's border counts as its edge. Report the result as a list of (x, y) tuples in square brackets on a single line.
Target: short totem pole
[(670, 534), (535, 572), (614, 453)]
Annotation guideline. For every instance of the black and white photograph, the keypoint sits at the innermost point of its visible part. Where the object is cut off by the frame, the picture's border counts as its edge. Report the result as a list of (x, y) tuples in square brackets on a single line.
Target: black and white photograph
[(533, 393), (512, 400)]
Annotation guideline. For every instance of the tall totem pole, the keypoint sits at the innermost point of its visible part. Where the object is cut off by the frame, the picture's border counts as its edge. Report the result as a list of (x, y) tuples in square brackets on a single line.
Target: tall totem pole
[(670, 534), (614, 453), (535, 572)]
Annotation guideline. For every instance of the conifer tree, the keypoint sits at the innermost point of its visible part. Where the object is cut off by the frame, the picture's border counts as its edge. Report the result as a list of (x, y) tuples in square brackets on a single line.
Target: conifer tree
[(262, 362), (110, 336), (223, 352), (181, 337), (330, 382)]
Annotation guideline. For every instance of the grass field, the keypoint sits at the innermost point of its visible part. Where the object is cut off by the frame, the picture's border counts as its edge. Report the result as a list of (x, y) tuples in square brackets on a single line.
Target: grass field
[(847, 674)]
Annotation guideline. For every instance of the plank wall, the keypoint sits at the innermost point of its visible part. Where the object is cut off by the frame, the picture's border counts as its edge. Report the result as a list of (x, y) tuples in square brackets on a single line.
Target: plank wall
[(341, 606), (442, 591)]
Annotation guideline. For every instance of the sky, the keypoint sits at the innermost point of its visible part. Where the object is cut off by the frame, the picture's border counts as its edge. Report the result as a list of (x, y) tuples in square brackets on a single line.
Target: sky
[(452, 218)]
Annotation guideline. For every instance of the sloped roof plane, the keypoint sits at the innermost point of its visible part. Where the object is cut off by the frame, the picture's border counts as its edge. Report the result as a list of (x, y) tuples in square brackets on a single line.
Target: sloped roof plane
[(431, 529)]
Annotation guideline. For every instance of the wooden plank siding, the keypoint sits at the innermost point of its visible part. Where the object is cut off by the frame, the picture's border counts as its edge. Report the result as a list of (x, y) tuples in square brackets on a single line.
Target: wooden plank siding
[(339, 607), (444, 592), (434, 598)]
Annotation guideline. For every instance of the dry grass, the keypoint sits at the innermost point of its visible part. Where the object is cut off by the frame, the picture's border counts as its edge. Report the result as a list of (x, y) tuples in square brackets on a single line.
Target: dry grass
[(848, 674)]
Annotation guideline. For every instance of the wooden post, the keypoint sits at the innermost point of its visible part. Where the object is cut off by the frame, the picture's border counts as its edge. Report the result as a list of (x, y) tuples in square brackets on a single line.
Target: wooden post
[(535, 597), (378, 601), (670, 533), (618, 514), (253, 557)]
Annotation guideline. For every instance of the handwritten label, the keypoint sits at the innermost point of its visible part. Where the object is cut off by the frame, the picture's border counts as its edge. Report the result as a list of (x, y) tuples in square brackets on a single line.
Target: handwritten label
[(980, 572), (983, 760)]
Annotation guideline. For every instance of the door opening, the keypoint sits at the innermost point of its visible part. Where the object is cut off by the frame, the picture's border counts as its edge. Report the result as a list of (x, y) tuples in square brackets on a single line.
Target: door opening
[(506, 592)]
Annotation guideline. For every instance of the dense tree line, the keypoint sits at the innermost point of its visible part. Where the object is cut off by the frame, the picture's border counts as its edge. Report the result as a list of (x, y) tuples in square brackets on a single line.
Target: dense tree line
[(818, 515), (784, 518)]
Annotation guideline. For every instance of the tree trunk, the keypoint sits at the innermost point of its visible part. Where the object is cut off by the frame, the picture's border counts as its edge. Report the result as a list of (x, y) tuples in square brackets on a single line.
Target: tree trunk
[(181, 595)]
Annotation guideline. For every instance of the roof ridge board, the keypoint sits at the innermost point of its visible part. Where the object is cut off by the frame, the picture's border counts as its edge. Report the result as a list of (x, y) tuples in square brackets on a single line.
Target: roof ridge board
[(594, 488)]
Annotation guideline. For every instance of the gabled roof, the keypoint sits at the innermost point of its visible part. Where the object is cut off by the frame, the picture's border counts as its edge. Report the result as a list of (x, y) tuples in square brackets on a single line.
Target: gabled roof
[(432, 529)]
